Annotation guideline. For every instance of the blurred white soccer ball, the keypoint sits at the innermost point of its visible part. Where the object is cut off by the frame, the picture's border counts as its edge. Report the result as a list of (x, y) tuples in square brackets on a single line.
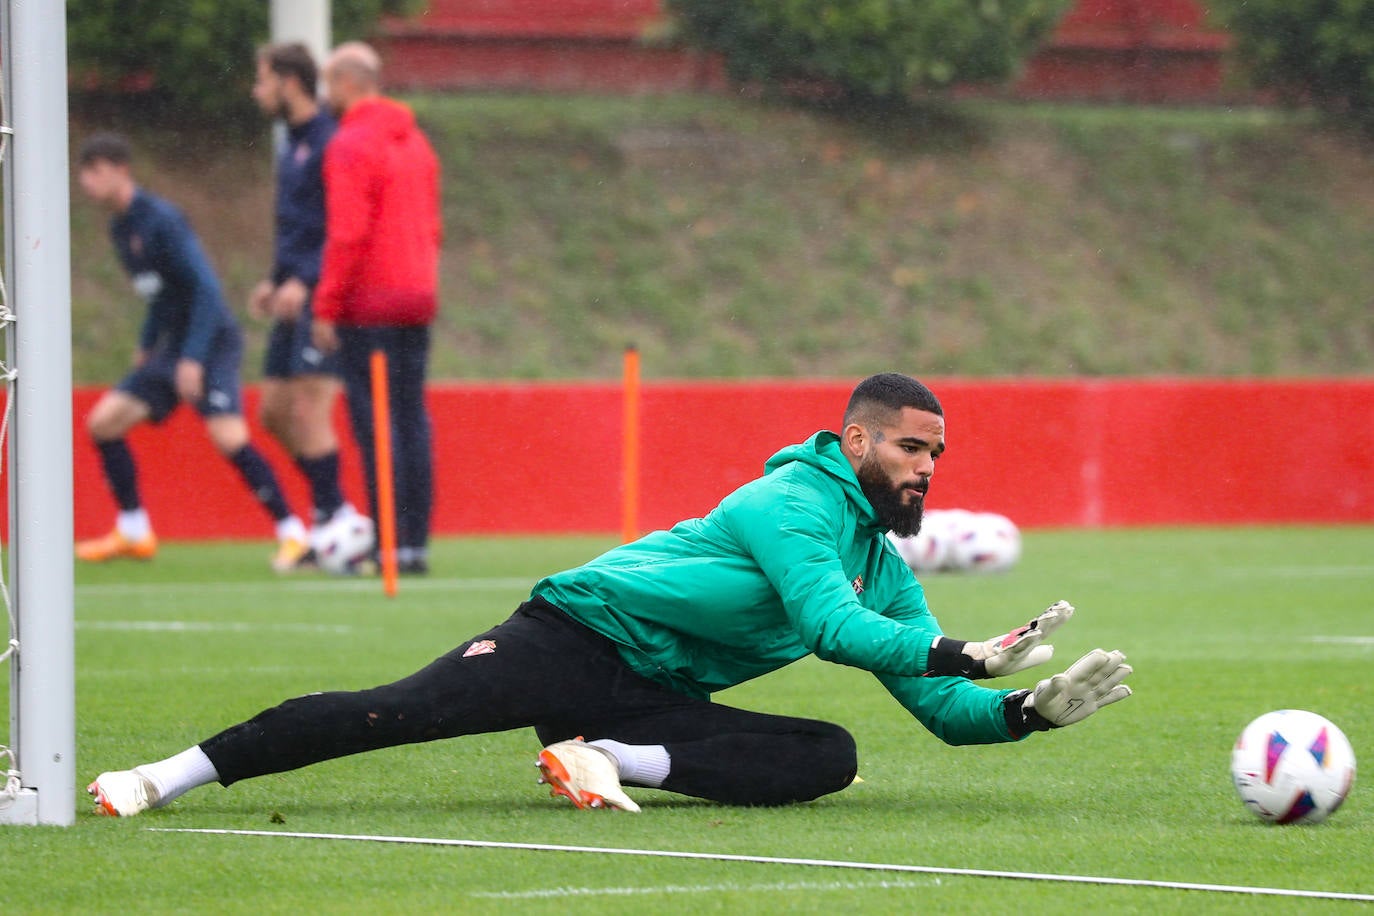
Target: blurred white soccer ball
[(928, 549), (344, 542), (1292, 767), (984, 542)]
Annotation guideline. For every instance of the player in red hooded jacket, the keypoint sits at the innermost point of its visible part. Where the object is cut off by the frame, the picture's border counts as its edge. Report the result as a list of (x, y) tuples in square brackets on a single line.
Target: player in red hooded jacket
[(379, 280)]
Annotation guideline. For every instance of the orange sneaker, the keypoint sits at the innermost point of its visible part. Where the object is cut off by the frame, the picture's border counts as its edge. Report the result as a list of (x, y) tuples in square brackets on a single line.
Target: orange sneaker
[(293, 554), (115, 545)]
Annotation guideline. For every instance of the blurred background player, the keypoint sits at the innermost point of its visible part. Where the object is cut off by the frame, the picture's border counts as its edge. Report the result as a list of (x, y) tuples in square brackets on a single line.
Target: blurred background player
[(379, 280), (300, 382), (189, 350)]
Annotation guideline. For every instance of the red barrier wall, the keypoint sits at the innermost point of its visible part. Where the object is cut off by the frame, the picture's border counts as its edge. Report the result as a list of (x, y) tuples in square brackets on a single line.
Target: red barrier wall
[(545, 457)]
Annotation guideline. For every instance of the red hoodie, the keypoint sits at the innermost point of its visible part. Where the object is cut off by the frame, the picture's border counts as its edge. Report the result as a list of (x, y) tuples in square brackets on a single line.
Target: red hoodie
[(382, 229)]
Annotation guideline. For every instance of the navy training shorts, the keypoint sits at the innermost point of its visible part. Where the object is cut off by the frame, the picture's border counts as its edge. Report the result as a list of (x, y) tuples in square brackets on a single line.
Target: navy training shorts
[(290, 352), (154, 383)]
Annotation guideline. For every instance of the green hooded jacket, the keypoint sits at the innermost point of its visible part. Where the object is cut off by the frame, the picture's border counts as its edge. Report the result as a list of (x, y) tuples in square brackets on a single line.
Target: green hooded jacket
[(790, 564)]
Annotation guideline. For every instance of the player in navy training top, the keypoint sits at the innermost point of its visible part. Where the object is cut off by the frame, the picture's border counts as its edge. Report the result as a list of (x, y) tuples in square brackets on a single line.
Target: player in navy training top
[(300, 382), (189, 350)]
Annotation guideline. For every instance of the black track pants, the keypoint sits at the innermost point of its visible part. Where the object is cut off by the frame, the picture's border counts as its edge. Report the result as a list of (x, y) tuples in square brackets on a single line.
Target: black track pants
[(547, 671)]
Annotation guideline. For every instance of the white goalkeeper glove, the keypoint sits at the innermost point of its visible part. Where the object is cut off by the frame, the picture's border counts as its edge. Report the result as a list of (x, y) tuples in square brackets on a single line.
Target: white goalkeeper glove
[(1001, 655), (1090, 683)]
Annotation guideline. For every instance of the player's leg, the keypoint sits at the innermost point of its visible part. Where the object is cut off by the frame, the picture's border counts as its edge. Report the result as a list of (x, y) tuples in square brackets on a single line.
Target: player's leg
[(146, 394), (408, 362), (661, 739), (355, 352), (274, 409), (317, 453), (537, 665), (229, 433), (228, 430), (315, 387)]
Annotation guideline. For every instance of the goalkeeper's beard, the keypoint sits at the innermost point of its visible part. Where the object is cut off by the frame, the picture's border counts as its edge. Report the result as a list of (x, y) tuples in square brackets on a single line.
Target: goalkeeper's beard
[(887, 499)]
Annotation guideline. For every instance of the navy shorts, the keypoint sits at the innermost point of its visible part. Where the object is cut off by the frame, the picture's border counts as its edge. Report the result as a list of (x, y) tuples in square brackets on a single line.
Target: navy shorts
[(154, 383), (290, 352)]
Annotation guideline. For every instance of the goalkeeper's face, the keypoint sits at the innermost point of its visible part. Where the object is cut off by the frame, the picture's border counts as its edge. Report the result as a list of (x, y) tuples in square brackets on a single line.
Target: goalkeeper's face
[(896, 465)]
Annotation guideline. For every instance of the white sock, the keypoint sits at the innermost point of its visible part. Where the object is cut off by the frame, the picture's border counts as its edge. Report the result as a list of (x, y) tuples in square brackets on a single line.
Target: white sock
[(133, 524), (291, 527), (640, 764), (180, 774)]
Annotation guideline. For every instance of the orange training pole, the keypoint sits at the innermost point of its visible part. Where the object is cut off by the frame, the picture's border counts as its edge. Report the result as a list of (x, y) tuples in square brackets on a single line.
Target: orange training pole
[(386, 494), (629, 452)]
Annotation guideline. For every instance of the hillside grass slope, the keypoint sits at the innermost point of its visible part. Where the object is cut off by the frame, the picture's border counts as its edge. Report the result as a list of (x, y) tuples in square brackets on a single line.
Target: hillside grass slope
[(732, 237)]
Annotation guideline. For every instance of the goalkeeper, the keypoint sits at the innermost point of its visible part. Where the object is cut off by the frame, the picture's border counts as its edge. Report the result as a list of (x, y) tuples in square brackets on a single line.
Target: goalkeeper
[(626, 650)]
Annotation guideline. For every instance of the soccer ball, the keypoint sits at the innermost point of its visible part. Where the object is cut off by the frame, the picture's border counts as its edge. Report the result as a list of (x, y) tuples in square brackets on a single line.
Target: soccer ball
[(984, 542), (1292, 767), (343, 543), (928, 549)]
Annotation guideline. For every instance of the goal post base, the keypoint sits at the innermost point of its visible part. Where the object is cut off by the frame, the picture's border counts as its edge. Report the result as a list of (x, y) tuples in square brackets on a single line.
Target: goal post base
[(23, 810)]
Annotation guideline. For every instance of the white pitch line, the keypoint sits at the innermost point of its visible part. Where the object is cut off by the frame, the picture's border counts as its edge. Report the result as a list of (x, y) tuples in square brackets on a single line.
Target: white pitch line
[(201, 626), (1343, 640), (556, 892), (773, 860), (334, 584)]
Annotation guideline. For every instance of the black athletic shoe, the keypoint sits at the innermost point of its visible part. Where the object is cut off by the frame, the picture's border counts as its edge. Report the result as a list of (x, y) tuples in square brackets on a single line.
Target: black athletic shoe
[(416, 566)]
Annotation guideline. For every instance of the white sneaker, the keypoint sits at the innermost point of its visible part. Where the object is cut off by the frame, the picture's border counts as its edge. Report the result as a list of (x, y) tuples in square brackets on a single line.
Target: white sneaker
[(123, 793), (584, 774)]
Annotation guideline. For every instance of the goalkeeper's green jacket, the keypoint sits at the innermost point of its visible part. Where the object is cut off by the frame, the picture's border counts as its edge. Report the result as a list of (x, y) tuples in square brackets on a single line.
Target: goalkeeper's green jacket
[(790, 564)]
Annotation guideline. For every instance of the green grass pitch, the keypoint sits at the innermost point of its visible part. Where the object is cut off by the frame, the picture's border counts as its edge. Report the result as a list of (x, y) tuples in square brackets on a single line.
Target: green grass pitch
[(1220, 625)]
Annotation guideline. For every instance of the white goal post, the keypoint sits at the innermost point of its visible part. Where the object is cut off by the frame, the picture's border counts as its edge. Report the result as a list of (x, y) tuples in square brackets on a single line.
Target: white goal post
[(38, 373), (38, 756)]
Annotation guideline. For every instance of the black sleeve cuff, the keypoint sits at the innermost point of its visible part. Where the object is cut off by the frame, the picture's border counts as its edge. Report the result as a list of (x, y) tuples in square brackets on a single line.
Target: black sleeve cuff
[(947, 659), (1022, 720)]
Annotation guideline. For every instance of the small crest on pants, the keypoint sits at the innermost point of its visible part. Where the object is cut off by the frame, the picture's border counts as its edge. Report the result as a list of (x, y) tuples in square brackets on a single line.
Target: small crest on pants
[(481, 647)]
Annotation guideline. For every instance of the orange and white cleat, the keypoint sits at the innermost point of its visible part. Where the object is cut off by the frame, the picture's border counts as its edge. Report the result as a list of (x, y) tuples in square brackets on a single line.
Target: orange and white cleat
[(114, 546), (123, 793), (293, 554), (584, 774)]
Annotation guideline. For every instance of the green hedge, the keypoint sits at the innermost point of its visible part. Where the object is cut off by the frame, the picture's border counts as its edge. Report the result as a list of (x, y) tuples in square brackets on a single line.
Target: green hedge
[(882, 49), (1320, 50)]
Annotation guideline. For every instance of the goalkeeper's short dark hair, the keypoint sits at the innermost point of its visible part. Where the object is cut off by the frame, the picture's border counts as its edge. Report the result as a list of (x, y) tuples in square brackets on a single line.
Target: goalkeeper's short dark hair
[(104, 147), (880, 396), (292, 59)]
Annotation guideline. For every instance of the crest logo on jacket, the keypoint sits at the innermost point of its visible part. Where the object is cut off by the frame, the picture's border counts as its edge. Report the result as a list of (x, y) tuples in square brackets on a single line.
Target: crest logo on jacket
[(858, 584), (302, 153), (481, 647)]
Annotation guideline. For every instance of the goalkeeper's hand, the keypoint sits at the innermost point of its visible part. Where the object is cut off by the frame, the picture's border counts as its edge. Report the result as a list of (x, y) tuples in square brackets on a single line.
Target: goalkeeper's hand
[(1090, 683), (1001, 655)]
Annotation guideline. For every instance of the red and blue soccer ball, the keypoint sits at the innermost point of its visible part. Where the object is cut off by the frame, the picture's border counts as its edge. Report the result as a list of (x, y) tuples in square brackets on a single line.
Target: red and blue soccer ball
[(1292, 767)]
